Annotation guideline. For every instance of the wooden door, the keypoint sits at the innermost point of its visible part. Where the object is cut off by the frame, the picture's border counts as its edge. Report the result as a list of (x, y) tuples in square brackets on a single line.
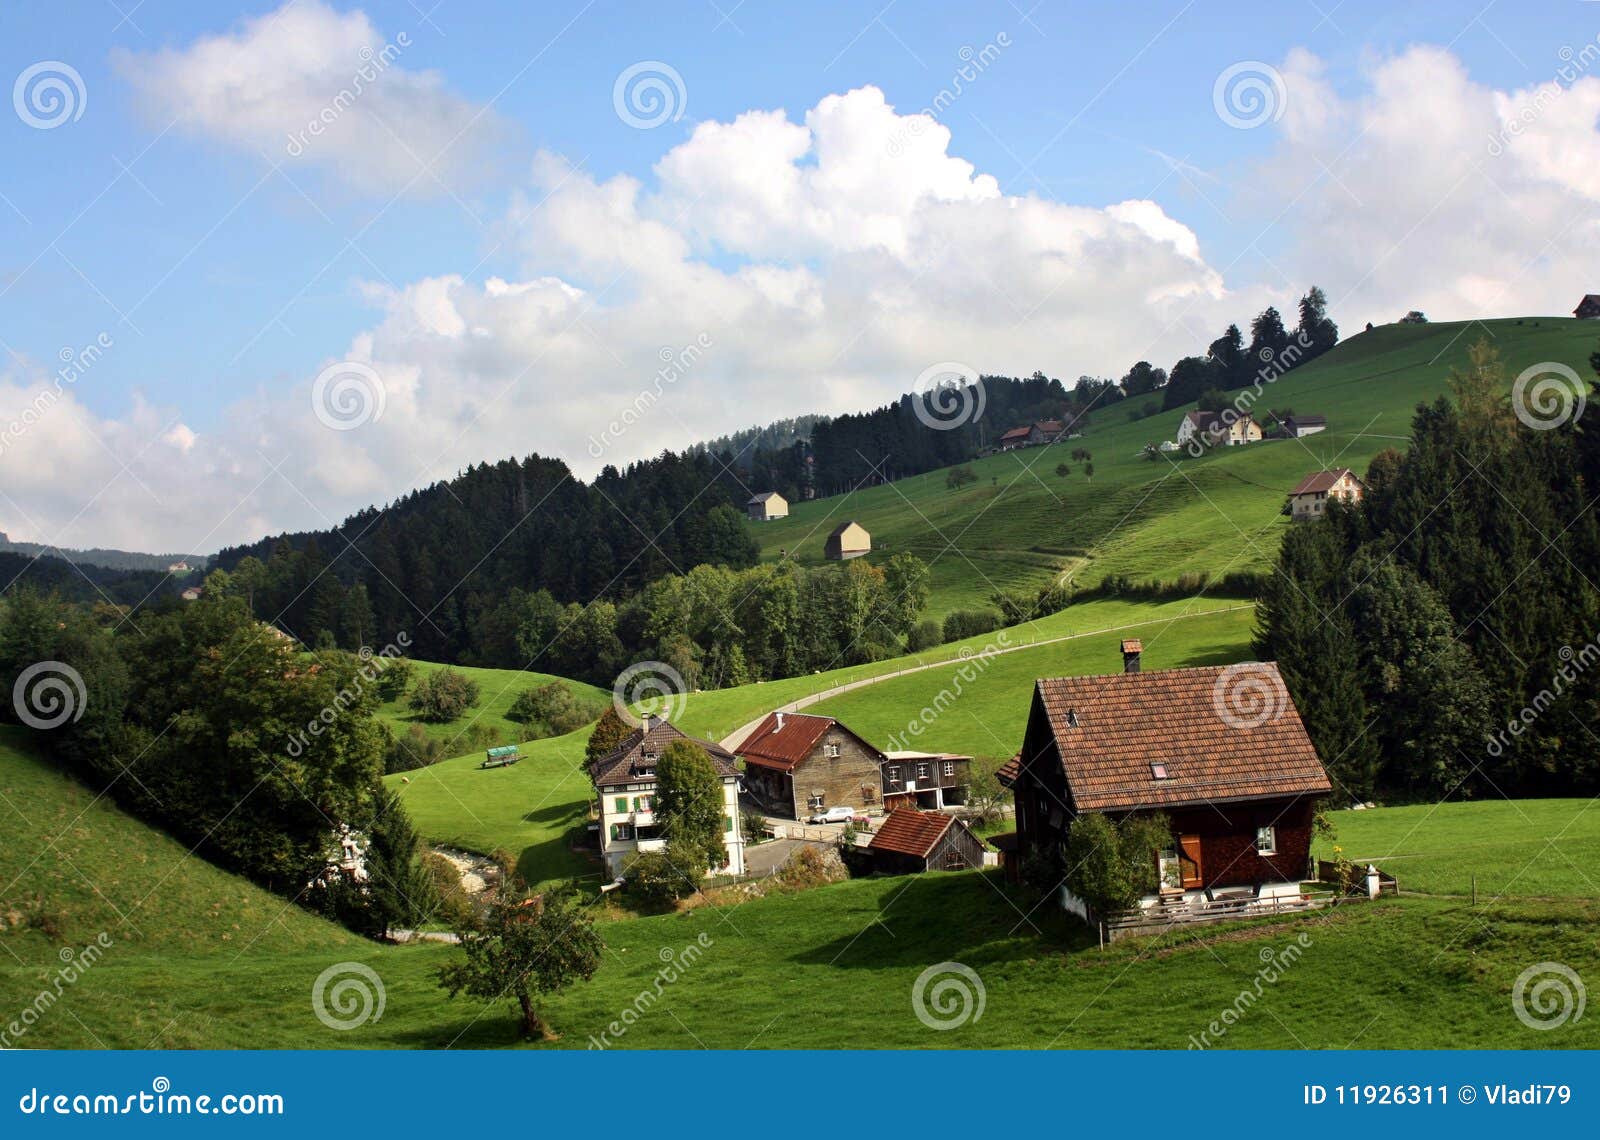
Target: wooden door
[(1190, 861)]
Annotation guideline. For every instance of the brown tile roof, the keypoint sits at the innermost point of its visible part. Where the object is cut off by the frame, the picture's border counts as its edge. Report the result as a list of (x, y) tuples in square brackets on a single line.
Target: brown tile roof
[(1132, 645), (1220, 733), (772, 746), (1049, 427), (621, 764), (1321, 481), (911, 832), (1017, 433), (1008, 772)]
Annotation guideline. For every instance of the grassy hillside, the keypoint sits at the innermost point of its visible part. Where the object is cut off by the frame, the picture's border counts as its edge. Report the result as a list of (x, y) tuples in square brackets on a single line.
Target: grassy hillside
[(497, 688), (199, 959), (1021, 524)]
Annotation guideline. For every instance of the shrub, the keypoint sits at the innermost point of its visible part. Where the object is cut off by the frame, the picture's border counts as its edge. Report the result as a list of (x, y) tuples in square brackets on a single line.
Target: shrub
[(1063, 469), (393, 678), (657, 877), (960, 476), (969, 623), (1111, 866), (924, 635), (442, 696), (412, 750), (552, 707)]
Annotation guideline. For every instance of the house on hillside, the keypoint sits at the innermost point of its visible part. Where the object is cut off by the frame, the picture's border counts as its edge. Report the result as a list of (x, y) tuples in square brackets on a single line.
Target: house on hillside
[(1298, 427), (1015, 438), (1215, 429), (1310, 498), (1045, 431), (1589, 307), (179, 567), (767, 506), (849, 540), (929, 780), (910, 842), (192, 593), (625, 779), (797, 765), (1238, 784)]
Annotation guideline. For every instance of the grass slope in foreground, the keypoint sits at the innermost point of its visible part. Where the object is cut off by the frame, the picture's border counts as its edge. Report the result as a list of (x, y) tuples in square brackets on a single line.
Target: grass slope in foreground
[(1020, 524), (203, 960)]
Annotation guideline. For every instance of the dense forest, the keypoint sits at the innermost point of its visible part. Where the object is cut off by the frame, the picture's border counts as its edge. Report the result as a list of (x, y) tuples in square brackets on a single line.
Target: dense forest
[(86, 582), (1440, 638)]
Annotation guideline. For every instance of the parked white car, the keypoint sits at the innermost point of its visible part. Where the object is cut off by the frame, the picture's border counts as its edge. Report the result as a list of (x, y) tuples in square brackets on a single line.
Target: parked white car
[(836, 814)]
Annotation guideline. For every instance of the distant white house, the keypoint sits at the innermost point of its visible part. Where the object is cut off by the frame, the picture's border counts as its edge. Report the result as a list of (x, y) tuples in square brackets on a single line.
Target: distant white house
[(767, 506), (1310, 499), (1212, 429), (1299, 427)]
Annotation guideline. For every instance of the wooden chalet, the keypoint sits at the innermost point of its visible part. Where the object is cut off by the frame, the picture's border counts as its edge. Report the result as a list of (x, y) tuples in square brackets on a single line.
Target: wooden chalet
[(766, 506), (910, 842), (929, 780), (1588, 308), (848, 540), (1310, 498), (1239, 792)]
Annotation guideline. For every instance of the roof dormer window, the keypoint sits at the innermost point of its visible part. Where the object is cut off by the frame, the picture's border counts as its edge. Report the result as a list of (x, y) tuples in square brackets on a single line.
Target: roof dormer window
[(1158, 771), (1072, 718)]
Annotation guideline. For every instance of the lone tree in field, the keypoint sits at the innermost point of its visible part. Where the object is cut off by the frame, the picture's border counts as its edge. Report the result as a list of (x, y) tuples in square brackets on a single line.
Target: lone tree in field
[(443, 696), (1111, 866), (689, 806), (526, 946)]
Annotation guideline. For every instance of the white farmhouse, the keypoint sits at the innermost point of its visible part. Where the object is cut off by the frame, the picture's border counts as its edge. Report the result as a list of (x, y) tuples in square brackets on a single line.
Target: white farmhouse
[(625, 779)]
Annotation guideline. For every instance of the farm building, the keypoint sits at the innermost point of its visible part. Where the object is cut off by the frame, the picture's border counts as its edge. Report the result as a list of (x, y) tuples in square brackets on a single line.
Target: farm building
[(796, 765), (1015, 438), (1237, 787), (930, 780), (625, 779), (1298, 427), (1310, 498), (1589, 307), (1214, 429), (910, 842), (767, 506), (849, 540)]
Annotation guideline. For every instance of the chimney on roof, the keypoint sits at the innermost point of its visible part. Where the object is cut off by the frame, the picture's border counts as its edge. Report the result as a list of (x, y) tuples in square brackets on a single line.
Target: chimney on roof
[(779, 716), (1131, 649)]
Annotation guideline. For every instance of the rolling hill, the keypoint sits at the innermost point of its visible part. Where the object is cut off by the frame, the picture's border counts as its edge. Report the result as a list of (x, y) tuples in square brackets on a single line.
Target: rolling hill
[(1021, 525)]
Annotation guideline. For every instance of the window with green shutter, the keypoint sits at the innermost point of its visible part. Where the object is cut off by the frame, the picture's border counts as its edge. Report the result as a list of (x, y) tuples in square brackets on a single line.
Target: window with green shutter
[(622, 803), (727, 823)]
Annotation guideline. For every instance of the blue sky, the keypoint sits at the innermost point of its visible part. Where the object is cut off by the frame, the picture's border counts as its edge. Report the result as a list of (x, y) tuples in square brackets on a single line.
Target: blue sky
[(227, 272)]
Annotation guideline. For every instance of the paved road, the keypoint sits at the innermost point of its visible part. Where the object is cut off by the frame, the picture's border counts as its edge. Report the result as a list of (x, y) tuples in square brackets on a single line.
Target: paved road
[(738, 735)]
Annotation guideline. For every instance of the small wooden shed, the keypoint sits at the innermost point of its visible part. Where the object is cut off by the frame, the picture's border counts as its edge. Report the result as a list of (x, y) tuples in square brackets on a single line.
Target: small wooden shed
[(849, 540), (910, 842)]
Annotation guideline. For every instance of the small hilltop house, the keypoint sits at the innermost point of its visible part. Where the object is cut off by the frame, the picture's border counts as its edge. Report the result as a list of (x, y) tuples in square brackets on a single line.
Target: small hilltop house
[(849, 540), (767, 506), (1589, 308)]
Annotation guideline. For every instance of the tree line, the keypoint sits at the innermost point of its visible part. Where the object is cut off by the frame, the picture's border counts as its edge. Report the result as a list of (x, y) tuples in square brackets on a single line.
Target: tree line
[(1440, 637)]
